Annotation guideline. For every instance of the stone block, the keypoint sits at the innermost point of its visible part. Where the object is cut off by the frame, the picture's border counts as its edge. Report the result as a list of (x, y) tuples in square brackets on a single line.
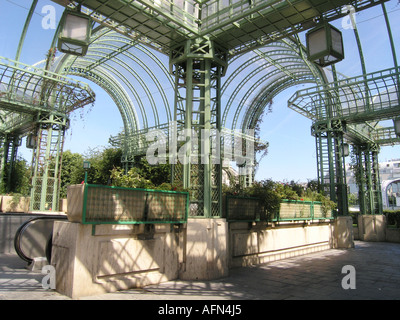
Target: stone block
[(372, 227), (343, 232), (206, 250), (88, 262)]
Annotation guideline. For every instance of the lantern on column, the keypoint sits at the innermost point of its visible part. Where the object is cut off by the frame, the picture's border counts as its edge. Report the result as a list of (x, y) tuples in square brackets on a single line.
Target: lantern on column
[(346, 149), (324, 45), (74, 33), (396, 123)]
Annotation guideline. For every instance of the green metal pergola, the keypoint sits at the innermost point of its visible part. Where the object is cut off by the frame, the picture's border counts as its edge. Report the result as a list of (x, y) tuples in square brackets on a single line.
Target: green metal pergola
[(205, 65), (36, 102)]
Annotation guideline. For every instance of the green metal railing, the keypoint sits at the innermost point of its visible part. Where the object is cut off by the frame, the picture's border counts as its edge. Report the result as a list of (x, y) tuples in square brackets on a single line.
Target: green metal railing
[(244, 209), (301, 210), (250, 209), (372, 96), (117, 205)]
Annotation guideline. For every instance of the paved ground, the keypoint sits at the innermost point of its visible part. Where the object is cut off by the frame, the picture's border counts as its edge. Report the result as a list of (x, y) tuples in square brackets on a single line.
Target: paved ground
[(309, 277)]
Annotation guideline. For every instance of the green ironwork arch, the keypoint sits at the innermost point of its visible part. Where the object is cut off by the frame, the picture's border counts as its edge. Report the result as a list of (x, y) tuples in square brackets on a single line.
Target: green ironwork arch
[(117, 93), (266, 95), (279, 66), (113, 64)]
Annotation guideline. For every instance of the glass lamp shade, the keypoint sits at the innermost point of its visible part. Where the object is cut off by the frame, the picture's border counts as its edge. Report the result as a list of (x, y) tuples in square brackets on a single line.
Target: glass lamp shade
[(31, 141), (86, 165), (346, 149), (74, 33), (324, 45), (396, 123)]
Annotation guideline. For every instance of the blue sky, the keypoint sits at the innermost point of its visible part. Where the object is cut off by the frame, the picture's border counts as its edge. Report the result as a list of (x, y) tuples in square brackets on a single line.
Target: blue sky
[(291, 154)]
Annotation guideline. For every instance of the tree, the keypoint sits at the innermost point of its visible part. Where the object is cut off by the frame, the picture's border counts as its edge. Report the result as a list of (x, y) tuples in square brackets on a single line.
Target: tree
[(101, 164), (20, 177), (71, 171), (132, 179), (157, 174)]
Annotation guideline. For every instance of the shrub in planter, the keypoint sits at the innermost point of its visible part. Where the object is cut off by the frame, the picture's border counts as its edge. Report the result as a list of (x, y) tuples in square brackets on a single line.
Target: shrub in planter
[(393, 218), (130, 180)]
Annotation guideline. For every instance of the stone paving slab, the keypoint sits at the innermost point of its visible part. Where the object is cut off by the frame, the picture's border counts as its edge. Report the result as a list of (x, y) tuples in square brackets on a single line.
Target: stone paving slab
[(315, 276)]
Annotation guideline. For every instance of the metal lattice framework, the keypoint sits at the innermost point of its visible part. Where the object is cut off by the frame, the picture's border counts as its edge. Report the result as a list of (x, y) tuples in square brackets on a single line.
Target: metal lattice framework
[(236, 25), (37, 101), (353, 110), (227, 60)]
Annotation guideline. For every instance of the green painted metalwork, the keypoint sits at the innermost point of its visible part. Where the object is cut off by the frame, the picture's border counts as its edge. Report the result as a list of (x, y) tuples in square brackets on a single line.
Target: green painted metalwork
[(238, 26), (392, 47), (117, 205), (9, 146), (25, 29), (302, 210), (244, 209), (280, 65), (330, 160), (47, 162), (288, 72), (198, 67), (27, 90), (114, 63), (38, 100), (257, 39), (367, 176), (349, 98)]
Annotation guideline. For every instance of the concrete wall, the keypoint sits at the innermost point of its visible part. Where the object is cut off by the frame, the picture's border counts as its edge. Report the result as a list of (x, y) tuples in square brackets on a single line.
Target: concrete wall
[(205, 250), (107, 258), (92, 260), (254, 243), (372, 227), (8, 204)]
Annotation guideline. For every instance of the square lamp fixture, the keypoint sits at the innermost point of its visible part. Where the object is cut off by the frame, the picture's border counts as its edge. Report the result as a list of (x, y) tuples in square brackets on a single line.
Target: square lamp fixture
[(396, 123), (346, 149), (74, 33), (324, 45), (86, 165), (31, 141)]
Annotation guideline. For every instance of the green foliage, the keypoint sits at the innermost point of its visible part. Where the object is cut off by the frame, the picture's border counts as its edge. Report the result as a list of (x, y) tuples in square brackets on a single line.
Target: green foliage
[(130, 180), (269, 192), (272, 193), (134, 179), (157, 174), (353, 199), (266, 190), (71, 172), (326, 204), (106, 169), (101, 164), (393, 218), (19, 180)]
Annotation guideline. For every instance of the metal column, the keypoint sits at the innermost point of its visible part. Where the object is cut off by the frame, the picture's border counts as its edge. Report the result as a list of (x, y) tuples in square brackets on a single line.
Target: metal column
[(367, 178), (46, 162), (330, 161), (198, 66)]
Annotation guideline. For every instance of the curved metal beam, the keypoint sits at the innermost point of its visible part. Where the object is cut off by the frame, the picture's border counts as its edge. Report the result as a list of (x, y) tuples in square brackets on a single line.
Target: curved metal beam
[(283, 60)]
